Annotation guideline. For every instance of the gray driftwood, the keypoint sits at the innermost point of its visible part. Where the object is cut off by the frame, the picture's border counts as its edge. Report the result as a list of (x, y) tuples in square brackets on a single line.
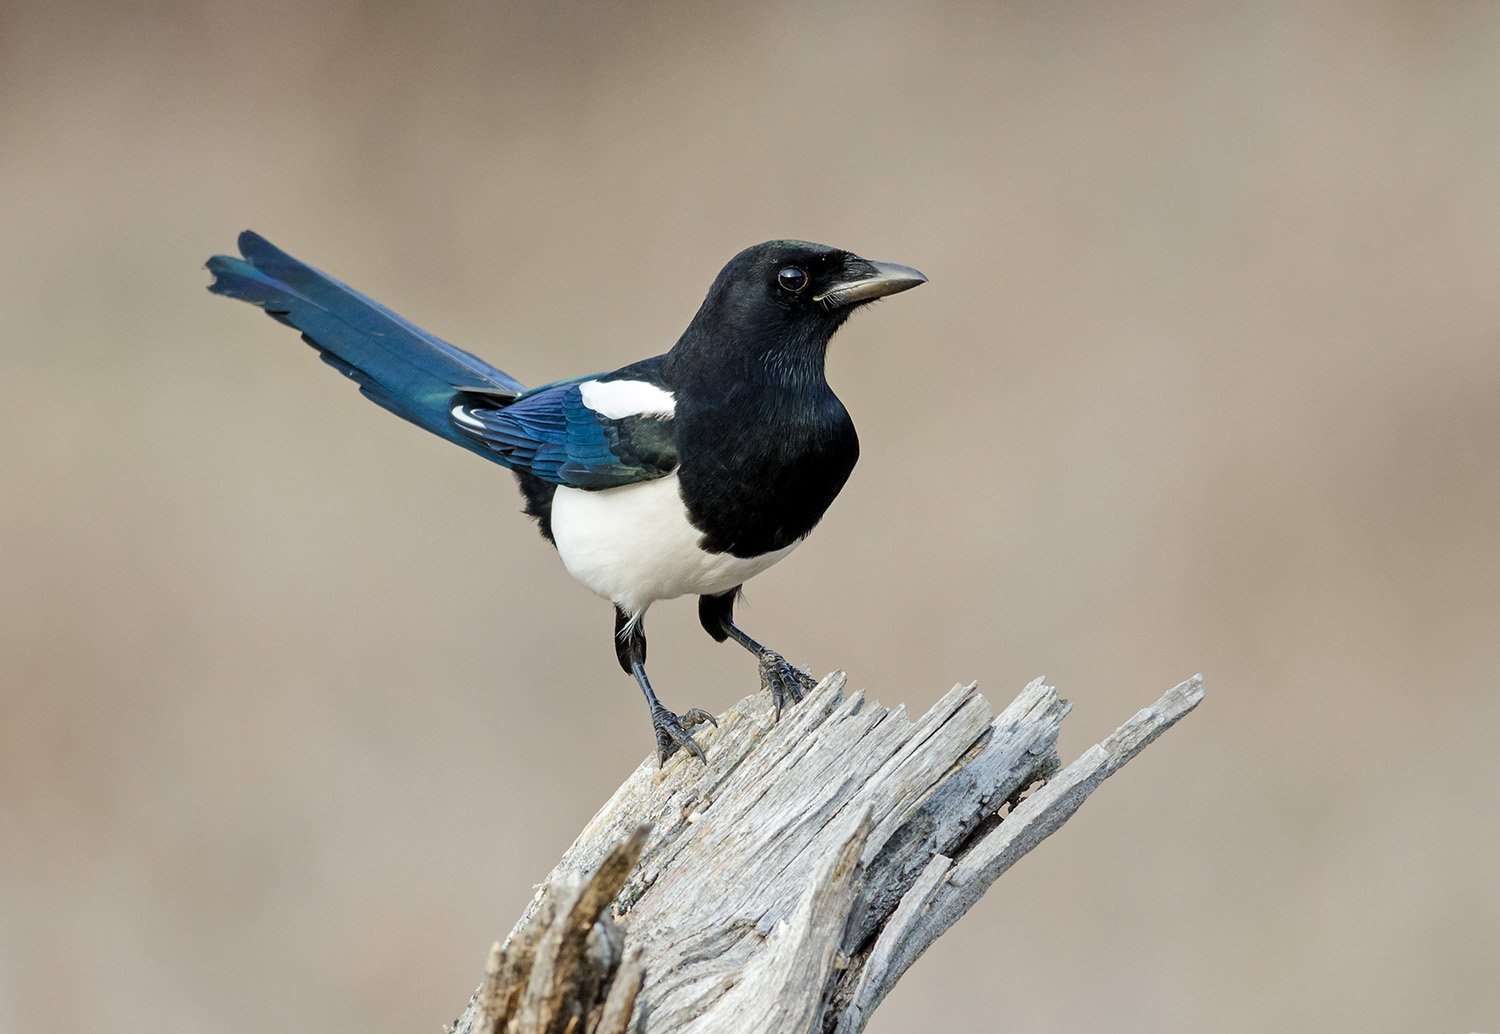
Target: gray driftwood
[(790, 882)]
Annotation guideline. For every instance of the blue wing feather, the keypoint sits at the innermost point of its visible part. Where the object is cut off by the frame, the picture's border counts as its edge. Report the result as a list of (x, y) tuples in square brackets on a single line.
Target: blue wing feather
[(553, 435)]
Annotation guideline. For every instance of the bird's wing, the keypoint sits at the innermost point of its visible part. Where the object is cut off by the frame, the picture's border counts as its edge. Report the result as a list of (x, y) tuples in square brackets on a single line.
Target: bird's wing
[(591, 433)]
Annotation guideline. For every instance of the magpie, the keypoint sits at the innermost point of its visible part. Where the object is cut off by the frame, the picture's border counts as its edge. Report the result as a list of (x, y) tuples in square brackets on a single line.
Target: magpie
[(686, 473)]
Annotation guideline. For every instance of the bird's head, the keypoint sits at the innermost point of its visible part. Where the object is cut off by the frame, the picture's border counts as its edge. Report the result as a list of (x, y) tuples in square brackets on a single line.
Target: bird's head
[(782, 300)]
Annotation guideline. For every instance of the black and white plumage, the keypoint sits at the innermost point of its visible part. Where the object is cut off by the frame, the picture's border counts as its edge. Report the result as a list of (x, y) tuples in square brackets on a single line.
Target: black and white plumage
[(684, 474)]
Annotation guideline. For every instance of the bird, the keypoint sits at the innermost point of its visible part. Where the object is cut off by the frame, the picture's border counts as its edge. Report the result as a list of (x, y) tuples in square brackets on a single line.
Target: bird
[(687, 473)]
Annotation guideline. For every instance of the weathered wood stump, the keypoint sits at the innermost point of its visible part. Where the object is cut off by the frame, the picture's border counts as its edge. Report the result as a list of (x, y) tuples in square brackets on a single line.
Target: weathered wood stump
[(787, 884)]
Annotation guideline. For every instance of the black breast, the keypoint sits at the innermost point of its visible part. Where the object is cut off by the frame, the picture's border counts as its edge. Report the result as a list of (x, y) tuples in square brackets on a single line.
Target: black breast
[(756, 478)]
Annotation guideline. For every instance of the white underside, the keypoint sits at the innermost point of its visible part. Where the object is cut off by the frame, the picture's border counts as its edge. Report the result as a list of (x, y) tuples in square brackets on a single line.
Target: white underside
[(634, 545)]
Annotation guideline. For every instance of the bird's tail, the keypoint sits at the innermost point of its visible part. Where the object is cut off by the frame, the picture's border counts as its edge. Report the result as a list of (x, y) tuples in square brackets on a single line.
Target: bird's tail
[(397, 364)]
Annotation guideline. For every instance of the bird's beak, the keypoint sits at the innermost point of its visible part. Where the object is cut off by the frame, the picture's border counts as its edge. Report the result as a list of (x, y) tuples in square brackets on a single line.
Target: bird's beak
[(865, 281)]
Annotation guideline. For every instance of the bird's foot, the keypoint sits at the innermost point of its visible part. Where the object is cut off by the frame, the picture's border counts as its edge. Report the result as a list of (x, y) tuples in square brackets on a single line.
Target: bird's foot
[(786, 683), (672, 731)]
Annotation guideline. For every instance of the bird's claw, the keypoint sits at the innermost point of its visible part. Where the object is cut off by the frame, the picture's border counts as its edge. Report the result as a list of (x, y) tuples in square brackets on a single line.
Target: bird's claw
[(697, 716), (785, 682), (672, 732)]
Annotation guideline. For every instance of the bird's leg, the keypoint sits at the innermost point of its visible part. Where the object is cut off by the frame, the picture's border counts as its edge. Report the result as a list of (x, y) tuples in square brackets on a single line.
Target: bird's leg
[(786, 683), (671, 729)]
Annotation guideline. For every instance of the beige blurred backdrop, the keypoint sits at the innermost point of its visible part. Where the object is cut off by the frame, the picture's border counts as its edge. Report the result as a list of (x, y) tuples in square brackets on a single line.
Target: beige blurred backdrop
[(295, 708)]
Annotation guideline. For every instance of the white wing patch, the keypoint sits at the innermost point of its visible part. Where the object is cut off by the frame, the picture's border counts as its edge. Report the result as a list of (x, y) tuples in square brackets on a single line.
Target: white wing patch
[(464, 418), (616, 400)]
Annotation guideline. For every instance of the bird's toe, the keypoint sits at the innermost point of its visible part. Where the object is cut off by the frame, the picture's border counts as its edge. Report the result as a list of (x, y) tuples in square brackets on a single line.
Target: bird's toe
[(786, 683), (672, 732), (697, 716)]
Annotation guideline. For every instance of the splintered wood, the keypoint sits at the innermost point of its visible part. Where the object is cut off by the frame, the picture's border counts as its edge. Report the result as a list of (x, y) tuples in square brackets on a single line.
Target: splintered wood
[(790, 882)]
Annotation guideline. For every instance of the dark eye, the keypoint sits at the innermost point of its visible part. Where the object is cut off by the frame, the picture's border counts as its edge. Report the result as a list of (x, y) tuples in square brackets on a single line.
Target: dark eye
[(792, 279)]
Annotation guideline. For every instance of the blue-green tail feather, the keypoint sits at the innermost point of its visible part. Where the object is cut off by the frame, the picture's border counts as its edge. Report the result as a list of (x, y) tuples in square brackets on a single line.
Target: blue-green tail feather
[(397, 364)]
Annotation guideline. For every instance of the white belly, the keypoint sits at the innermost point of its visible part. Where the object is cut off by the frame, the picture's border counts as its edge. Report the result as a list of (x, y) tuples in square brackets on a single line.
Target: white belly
[(634, 545)]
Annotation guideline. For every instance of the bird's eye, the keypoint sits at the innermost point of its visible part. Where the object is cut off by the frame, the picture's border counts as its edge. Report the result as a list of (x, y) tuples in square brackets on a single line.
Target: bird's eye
[(792, 280)]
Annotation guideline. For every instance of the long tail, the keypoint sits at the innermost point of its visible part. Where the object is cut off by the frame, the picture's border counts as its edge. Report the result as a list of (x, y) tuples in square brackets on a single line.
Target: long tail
[(397, 364)]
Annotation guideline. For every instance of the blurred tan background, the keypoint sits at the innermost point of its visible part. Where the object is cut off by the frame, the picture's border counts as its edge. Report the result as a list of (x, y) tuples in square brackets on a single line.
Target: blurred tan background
[(294, 707)]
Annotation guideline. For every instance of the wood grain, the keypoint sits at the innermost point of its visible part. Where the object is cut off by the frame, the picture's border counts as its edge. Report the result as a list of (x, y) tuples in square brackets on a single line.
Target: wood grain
[(787, 884)]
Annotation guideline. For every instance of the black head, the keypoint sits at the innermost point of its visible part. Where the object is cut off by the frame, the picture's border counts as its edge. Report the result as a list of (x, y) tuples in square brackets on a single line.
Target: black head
[(782, 300)]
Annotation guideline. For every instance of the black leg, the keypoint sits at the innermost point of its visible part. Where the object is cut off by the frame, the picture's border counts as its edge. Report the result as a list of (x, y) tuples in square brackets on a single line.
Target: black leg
[(786, 683), (671, 729)]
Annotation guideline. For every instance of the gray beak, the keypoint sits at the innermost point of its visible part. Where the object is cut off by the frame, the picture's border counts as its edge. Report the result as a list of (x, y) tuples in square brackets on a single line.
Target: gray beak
[(868, 281)]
